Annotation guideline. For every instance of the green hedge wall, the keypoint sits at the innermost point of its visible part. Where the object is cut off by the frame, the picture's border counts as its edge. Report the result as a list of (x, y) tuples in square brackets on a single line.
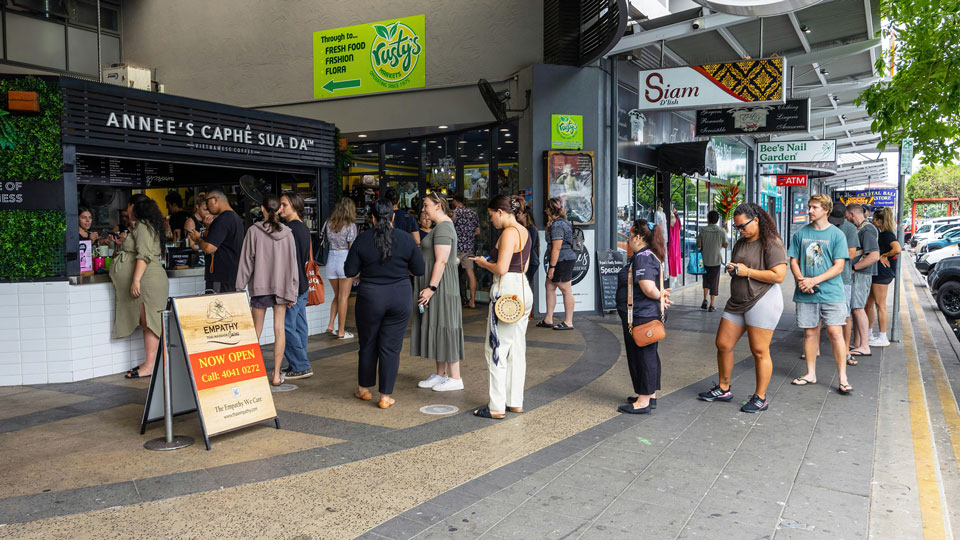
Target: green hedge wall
[(32, 241)]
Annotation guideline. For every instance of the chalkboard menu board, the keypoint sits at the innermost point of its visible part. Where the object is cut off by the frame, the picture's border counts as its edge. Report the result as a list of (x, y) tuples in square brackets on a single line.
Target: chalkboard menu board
[(609, 263), (104, 171)]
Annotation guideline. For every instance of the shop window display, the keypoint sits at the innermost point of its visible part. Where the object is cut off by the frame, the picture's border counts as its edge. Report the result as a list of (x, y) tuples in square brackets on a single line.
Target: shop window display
[(402, 169)]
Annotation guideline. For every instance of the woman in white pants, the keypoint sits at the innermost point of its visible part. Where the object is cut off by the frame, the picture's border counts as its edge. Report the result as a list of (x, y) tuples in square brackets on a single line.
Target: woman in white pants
[(505, 346)]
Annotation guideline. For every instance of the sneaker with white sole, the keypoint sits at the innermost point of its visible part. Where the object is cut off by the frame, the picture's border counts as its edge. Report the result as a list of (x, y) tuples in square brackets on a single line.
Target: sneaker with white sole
[(293, 375), (877, 342), (430, 381), (346, 335), (448, 384)]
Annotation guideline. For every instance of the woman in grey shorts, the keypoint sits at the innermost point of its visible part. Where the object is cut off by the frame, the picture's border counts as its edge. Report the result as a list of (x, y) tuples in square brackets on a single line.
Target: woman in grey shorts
[(340, 232), (757, 267)]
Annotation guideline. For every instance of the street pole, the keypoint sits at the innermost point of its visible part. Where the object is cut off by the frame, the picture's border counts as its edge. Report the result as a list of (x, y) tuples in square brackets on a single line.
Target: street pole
[(898, 271)]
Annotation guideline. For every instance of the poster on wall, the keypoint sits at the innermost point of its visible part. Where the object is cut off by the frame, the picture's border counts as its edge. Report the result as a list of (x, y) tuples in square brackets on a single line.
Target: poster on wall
[(569, 177), (566, 131), (584, 278), (225, 363), (369, 58)]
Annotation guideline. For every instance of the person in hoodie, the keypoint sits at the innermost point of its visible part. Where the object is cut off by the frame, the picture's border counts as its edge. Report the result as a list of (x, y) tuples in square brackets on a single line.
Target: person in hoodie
[(268, 270)]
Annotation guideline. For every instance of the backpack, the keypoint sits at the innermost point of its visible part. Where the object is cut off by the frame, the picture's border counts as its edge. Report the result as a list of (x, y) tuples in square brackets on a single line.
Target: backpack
[(577, 243)]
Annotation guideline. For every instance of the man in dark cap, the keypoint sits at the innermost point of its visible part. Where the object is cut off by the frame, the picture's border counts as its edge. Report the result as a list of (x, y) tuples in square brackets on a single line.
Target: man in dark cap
[(838, 218)]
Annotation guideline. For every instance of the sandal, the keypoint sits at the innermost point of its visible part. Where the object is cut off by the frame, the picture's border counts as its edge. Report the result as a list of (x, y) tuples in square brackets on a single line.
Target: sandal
[(135, 374), (800, 381), (385, 402), (365, 395), (515, 409), (562, 326), (484, 412), (543, 324), (282, 380), (845, 389), (851, 361)]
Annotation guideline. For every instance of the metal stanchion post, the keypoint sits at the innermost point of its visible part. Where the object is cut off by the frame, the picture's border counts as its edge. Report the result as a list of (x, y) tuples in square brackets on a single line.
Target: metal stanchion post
[(169, 441), (900, 268)]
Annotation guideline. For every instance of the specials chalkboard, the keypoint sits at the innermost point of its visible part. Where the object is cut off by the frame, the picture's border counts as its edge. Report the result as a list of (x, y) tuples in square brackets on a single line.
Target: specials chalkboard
[(609, 263)]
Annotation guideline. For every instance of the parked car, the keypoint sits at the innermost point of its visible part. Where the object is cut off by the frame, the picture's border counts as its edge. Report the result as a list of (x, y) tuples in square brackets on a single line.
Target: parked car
[(920, 240), (928, 261), (928, 227), (950, 238), (945, 285)]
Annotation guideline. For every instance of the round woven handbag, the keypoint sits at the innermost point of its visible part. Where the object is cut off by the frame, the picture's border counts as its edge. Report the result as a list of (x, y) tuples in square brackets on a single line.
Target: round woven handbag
[(510, 309)]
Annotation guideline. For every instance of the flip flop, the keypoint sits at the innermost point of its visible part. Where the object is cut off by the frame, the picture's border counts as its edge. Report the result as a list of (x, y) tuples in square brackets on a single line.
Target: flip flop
[(282, 380), (484, 412), (543, 324), (858, 353), (797, 381), (845, 389), (851, 361)]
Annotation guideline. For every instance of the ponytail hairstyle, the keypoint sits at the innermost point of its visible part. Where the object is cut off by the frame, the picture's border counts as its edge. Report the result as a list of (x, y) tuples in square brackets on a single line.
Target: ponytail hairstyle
[(382, 211), (768, 229), (653, 238), (511, 204), (438, 198), (271, 208), (146, 211), (554, 210)]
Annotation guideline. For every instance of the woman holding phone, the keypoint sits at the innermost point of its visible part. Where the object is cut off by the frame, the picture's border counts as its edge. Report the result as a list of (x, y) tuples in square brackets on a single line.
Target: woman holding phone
[(757, 267)]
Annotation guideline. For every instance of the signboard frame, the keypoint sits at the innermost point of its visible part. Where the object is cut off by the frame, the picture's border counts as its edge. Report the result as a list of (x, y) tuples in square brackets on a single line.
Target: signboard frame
[(709, 86), (822, 150), (607, 258), (790, 117), (566, 131), (555, 162)]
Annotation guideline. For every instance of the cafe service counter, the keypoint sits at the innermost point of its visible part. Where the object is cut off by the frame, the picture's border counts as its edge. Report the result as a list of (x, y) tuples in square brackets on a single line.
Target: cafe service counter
[(60, 331)]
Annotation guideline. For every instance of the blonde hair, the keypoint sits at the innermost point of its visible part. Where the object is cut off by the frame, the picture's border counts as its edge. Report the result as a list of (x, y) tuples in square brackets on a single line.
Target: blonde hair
[(439, 199), (344, 214), (883, 219), (824, 201)]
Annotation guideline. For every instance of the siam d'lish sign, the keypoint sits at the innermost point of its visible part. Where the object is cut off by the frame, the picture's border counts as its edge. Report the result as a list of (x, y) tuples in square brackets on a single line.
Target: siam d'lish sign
[(750, 82), (368, 58), (824, 150), (791, 117)]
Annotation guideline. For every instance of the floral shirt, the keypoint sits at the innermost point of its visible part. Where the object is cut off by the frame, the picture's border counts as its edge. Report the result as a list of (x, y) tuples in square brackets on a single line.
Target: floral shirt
[(465, 222)]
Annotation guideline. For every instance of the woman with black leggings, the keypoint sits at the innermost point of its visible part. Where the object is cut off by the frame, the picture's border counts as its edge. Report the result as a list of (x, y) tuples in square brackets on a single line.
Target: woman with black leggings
[(383, 258)]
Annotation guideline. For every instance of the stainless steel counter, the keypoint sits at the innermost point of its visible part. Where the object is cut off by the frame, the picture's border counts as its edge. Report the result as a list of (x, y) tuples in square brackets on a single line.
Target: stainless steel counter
[(105, 278)]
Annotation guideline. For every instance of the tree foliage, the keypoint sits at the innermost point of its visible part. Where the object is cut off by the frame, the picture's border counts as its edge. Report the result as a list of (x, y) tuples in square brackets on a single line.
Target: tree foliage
[(934, 182), (922, 99)]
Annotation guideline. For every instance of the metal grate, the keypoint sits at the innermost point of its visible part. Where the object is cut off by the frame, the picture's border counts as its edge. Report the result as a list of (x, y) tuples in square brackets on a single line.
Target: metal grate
[(579, 32)]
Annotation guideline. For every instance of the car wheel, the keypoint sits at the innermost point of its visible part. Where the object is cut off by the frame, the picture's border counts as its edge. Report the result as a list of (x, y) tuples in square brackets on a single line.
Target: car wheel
[(948, 299)]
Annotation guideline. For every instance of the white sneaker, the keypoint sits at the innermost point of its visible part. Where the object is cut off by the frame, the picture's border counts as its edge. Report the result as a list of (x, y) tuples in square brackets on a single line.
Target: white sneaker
[(346, 335), (877, 342), (430, 381), (448, 384)]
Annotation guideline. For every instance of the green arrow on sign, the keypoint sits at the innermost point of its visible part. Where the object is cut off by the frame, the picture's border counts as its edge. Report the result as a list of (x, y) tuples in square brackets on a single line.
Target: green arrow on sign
[(333, 85)]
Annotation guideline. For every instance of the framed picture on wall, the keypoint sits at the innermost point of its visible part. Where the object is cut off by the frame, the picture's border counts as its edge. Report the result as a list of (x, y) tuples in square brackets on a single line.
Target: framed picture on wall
[(569, 177)]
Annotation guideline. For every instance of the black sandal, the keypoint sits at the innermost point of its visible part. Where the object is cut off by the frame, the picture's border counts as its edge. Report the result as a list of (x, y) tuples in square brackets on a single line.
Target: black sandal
[(562, 326), (543, 324), (134, 374), (484, 412)]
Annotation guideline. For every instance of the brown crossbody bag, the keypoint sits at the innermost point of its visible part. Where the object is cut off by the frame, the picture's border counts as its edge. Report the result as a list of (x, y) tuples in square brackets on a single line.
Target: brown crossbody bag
[(650, 332)]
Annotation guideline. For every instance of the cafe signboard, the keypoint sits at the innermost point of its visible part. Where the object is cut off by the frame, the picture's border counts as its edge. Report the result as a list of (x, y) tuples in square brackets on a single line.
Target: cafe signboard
[(225, 363), (824, 150), (369, 58), (748, 82), (791, 117)]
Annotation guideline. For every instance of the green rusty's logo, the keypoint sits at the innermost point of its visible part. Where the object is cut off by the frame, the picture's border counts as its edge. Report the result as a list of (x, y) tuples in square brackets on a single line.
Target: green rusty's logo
[(567, 127), (394, 52)]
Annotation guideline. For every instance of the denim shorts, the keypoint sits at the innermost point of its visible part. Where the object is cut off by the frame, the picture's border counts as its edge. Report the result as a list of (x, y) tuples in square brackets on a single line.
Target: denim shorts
[(809, 315), (847, 292), (860, 290), (334, 267)]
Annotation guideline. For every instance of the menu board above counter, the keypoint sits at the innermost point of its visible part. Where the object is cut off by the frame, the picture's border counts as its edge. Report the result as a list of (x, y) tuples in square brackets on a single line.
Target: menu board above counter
[(117, 172)]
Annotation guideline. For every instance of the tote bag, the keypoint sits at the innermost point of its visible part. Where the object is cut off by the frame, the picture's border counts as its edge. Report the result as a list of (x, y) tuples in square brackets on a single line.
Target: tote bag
[(314, 282), (695, 264)]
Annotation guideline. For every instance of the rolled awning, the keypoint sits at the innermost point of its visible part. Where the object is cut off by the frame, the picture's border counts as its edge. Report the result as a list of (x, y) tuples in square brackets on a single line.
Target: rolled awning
[(687, 158)]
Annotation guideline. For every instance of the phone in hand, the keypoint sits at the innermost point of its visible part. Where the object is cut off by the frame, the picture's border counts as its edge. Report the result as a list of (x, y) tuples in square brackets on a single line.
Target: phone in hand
[(732, 269)]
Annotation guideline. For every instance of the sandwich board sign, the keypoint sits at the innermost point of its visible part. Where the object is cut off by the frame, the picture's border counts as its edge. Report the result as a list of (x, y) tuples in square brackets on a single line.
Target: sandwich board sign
[(225, 373)]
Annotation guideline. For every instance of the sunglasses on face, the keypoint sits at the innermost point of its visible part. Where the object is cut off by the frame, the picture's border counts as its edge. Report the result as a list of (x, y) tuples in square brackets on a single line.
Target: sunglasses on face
[(208, 199), (741, 228)]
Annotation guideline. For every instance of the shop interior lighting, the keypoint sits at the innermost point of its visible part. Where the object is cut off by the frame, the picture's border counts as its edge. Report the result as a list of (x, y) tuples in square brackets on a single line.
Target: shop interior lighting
[(505, 129)]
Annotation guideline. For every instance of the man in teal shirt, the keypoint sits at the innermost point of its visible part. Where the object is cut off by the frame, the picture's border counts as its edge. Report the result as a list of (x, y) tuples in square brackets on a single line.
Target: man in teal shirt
[(818, 252)]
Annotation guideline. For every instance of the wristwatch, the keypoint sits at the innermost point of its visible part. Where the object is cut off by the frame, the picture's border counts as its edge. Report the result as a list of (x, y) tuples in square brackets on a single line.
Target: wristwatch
[(433, 288)]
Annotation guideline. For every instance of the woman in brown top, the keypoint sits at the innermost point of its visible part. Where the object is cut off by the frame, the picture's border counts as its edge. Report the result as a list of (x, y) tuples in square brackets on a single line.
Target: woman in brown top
[(757, 267)]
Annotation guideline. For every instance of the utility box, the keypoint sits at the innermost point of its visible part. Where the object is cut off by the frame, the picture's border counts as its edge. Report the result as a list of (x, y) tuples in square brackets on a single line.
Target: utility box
[(128, 76)]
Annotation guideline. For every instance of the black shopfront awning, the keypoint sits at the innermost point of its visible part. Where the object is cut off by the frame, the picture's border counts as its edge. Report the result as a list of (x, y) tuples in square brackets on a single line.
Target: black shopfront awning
[(687, 158)]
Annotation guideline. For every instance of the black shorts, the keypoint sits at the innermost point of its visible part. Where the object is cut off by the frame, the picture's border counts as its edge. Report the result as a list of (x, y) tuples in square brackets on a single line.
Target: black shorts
[(711, 279), (883, 279), (563, 272)]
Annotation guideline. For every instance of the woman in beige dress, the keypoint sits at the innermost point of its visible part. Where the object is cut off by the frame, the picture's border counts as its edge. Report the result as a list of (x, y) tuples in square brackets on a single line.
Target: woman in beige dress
[(140, 280)]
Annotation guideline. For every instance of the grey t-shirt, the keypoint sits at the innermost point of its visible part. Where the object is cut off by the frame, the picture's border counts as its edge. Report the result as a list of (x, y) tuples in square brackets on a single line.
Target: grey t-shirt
[(869, 242), (341, 240), (711, 239), (849, 230), (562, 230)]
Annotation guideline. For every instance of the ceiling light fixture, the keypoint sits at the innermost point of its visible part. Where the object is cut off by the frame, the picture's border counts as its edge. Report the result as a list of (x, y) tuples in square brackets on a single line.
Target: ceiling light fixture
[(443, 127), (362, 136), (824, 72), (805, 29)]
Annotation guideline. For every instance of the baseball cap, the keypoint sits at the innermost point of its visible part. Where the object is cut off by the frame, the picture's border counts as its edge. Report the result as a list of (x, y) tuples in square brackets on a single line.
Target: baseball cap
[(838, 214)]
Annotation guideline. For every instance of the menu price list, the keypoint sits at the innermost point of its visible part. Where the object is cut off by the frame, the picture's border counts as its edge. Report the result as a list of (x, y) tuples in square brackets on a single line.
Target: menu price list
[(122, 172)]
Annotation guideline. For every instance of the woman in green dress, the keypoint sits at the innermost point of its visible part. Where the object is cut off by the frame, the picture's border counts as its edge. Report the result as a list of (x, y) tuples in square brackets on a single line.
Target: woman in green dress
[(437, 331), (140, 281)]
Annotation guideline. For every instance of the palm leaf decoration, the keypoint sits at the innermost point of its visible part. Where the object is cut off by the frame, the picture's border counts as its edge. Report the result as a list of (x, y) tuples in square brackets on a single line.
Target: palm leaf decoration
[(8, 135)]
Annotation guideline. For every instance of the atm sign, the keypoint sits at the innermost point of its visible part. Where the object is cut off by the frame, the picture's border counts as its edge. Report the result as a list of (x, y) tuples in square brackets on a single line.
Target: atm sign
[(791, 180)]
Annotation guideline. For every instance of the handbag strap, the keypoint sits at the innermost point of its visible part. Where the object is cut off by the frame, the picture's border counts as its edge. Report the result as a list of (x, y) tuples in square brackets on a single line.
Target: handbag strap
[(310, 260), (500, 283), (630, 293)]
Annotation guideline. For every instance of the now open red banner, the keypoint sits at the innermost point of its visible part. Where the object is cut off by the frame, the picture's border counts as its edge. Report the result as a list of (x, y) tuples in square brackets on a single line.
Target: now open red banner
[(791, 180)]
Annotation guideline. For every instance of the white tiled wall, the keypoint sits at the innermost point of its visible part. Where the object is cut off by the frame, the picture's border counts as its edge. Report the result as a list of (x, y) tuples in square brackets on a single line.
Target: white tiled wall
[(56, 332)]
